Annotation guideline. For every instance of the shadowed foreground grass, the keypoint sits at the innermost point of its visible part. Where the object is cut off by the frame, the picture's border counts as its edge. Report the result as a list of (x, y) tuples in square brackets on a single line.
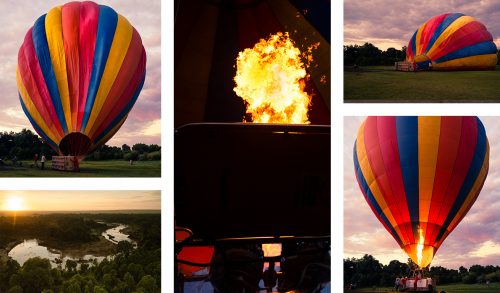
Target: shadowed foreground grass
[(384, 84), (453, 288), (115, 168)]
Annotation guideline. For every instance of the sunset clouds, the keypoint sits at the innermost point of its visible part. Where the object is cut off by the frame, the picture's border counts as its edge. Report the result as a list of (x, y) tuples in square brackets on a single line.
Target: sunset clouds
[(476, 240), (143, 122), (392, 23)]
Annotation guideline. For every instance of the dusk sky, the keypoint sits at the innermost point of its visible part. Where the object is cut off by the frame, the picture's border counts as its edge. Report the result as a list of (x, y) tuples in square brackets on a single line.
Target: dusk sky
[(143, 122), (391, 23), (81, 200), (476, 240)]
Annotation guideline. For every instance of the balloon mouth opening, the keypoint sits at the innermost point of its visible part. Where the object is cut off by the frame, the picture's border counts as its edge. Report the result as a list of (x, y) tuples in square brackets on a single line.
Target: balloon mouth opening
[(75, 144), (421, 254)]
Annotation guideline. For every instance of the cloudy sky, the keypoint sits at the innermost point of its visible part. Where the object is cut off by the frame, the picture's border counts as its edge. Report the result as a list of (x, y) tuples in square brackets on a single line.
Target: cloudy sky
[(143, 122), (476, 240), (391, 23), (81, 200)]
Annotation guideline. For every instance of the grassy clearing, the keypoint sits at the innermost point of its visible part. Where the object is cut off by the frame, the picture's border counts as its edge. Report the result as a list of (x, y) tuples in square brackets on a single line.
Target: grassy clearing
[(117, 168), (454, 288), (384, 84)]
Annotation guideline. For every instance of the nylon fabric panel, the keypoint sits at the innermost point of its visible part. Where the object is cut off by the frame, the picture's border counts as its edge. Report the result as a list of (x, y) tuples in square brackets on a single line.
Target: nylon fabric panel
[(388, 141), (107, 136), (473, 62), (478, 156), (374, 154), (127, 96), (370, 199), (71, 37), (45, 62), (407, 146), (470, 34), (25, 80), (30, 108), (476, 49), (367, 175), (449, 31), (418, 38), (427, 33), (450, 131), (37, 127), (108, 19), (461, 167), (448, 20), (53, 30), (471, 198), (123, 113), (413, 46), (89, 17), (428, 145), (118, 50), (33, 74), (129, 69)]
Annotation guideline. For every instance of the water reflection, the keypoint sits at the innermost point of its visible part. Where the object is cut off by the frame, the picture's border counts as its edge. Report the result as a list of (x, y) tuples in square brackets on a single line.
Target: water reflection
[(115, 235), (31, 248)]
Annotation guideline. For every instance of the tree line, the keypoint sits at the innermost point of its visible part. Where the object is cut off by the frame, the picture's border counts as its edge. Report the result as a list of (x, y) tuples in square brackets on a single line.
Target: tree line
[(369, 55), (25, 144), (129, 270), (368, 272)]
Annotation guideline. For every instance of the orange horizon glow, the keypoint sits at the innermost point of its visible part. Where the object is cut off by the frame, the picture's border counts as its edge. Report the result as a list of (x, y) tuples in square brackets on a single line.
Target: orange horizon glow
[(81, 200)]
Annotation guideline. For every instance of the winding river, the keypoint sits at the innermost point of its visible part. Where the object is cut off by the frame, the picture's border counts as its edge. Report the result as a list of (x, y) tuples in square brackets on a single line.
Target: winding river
[(31, 248)]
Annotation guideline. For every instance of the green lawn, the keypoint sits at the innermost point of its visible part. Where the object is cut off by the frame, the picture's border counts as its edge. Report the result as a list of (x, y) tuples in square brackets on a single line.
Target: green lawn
[(116, 168), (455, 288), (384, 84)]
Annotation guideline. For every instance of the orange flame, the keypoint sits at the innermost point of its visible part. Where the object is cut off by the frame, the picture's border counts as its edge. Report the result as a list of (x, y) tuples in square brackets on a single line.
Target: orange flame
[(270, 78), (271, 249)]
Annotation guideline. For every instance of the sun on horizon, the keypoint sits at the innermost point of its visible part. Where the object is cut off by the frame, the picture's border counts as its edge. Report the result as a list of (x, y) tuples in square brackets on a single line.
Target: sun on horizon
[(14, 203)]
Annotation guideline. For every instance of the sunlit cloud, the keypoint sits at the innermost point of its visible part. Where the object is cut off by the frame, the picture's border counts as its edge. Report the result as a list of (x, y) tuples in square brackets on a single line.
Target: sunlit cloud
[(391, 23)]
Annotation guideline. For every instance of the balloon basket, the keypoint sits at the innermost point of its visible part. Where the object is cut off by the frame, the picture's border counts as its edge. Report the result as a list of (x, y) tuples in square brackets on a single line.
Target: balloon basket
[(65, 163)]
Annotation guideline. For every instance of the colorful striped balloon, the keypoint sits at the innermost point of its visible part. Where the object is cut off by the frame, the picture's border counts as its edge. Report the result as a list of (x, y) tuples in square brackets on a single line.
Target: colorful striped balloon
[(452, 41), (420, 176), (80, 70)]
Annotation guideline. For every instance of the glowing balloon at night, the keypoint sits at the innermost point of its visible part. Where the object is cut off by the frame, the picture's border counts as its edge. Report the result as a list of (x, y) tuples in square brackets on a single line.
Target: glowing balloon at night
[(80, 70), (452, 41), (420, 176)]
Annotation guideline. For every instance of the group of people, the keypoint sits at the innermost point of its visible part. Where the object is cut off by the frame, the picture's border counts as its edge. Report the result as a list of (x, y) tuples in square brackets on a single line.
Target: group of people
[(42, 161)]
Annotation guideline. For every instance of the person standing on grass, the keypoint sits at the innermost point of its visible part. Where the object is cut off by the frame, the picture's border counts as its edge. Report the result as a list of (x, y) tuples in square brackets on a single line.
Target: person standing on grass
[(42, 160), (35, 160)]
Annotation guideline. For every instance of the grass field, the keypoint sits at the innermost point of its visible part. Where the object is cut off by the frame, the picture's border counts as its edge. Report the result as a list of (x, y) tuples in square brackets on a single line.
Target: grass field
[(118, 168), (455, 288), (384, 84)]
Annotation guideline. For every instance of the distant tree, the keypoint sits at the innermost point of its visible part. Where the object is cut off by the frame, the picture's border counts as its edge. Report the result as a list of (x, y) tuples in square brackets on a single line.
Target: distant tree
[(35, 275), (124, 247), (129, 279), (15, 289), (148, 284), (125, 148)]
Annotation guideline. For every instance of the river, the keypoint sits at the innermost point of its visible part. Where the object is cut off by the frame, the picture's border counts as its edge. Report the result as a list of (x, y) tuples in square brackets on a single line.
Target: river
[(30, 248)]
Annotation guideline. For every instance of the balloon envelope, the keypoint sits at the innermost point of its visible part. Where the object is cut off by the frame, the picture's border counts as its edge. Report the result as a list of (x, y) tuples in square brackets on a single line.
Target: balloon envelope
[(80, 70), (420, 176), (452, 41)]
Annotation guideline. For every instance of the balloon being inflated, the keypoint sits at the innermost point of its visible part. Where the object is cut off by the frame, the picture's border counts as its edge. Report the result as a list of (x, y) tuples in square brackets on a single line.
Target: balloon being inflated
[(80, 70), (420, 176)]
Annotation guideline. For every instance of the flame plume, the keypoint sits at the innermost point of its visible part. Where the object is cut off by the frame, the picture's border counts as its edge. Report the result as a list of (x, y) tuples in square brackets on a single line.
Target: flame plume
[(270, 78)]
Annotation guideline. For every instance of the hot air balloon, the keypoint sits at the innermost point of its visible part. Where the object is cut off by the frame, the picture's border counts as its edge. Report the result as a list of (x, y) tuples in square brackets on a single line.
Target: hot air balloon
[(80, 70), (420, 176), (452, 41)]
